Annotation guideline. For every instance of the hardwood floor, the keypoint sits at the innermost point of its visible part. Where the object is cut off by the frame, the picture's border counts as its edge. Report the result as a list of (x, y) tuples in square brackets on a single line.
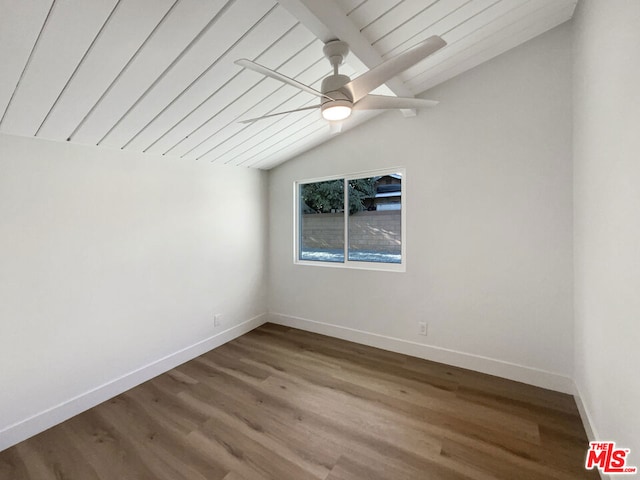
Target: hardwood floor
[(279, 403)]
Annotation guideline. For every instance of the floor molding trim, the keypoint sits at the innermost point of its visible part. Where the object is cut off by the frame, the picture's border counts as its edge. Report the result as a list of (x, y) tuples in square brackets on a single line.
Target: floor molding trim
[(587, 422), (491, 366), (584, 415), (40, 422)]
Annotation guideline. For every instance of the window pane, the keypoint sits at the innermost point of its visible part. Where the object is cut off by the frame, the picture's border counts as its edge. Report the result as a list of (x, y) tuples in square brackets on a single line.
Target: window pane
[(375, 208), (322, 221)]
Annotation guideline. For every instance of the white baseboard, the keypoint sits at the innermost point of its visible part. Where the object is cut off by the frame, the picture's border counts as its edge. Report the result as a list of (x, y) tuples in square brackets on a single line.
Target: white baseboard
[(587, 422), (491, 366), (41, 421), (590, 430)]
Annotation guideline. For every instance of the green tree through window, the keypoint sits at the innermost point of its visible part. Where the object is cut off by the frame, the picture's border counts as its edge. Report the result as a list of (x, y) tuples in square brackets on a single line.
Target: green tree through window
[(323, 197)]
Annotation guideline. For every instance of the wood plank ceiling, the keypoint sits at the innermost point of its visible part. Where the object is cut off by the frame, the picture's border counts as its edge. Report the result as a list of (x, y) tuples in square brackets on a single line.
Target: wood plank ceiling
[(157, 76)]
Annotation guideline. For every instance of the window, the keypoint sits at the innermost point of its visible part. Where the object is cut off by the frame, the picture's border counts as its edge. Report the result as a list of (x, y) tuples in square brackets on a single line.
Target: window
[(355, 221)]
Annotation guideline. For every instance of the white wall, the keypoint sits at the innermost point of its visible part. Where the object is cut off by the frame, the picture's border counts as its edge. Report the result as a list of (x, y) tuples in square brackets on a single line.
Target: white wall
[(489, 224), (607, 217), (111, 261)]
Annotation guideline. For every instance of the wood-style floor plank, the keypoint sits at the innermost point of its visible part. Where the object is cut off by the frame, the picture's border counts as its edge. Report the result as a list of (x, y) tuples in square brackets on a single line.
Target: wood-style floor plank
[(280, 403)]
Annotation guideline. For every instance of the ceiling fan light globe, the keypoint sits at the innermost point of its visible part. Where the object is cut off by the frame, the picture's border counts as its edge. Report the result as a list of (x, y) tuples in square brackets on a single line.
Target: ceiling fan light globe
[(336, 113), (336, 110)]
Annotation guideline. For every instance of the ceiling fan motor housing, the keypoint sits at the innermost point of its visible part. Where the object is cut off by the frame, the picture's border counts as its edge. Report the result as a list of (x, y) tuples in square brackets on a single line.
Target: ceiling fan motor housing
[(332, 86)]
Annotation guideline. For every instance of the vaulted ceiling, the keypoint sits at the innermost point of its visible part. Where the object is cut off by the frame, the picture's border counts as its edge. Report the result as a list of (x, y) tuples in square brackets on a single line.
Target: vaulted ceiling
[(158, 76)]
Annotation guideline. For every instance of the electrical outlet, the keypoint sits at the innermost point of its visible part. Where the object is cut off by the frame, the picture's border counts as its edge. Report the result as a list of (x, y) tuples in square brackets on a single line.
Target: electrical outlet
[(422, 328), (217, 320)]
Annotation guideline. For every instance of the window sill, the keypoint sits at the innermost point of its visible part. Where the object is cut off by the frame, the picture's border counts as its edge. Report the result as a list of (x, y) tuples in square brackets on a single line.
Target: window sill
[(380, 267)]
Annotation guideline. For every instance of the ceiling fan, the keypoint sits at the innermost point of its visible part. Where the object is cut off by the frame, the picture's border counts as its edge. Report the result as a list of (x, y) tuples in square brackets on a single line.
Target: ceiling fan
[(340, 95)]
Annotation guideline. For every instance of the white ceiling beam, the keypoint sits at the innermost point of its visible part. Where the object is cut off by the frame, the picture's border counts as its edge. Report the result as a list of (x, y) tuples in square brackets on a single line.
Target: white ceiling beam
[(326, 20)]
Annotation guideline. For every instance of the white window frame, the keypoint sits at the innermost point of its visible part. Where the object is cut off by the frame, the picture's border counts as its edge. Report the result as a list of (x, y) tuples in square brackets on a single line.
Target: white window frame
[(386, 267)]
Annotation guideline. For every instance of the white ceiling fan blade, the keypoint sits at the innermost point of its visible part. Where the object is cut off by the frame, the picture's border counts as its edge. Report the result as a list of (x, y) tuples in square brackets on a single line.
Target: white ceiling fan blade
[(388, 69), (256, 67), (383, 102), (251, 120)]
